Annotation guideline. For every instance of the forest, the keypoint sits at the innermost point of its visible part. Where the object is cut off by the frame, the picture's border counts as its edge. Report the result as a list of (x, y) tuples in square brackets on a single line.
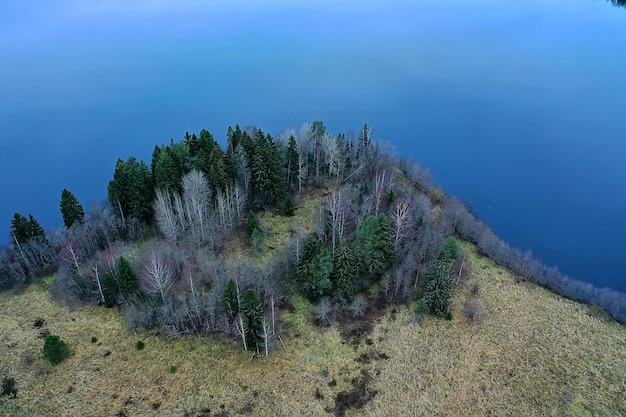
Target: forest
[(181, 243)]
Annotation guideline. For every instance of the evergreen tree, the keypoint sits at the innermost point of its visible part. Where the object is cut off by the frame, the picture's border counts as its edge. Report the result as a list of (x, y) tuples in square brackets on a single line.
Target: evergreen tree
[(450, 250), (71, 210), (289, 209), (110, 290), (203, 161), (233, 149), (291, 166), (20, 228), (267, 176), (156, 153), (35, 229), (127, 278), (345, 270), (252, 312), (313, 269), (374, 244), (252, 223), (179, 151), (364, 141), (24, 229), (194, 145), (217, 174), (167, 173), (438, 289), (230, 299), (391, 197), (206, 143), (130, 191)]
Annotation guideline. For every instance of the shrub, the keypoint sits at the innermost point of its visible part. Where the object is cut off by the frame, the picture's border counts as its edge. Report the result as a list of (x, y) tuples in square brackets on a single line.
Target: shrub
[(289, 209), (8, 387), (55, 349), (358, 306), (449, 316), (324, 312), (94, 339), (252, 223), (474, 310), (173, 369), (255, 239), (421, 308), (140, 345)]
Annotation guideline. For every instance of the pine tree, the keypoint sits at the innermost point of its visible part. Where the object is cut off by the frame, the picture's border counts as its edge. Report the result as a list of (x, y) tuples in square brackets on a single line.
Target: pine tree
[(230, 300), (218, 173), (252, 223), (156, 153), (167, 172), (289, 209), (291, 166), (313, 269), (127, 278), (345, 270), (374, 244), (450, 250), (267, 172), (20, 228), (233, 141), (364, 141), (438, 289), (35, 229), (131, 190), (194, 145), (252, 311), (71, 210)]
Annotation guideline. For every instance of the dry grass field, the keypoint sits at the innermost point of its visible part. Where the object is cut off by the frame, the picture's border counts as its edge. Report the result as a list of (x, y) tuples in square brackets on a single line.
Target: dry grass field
[(532, 353)]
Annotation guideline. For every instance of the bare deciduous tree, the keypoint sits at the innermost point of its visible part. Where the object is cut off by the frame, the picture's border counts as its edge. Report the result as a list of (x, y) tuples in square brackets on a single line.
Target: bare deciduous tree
[(157, 276), (380, 191), (336, 217), (197, 200), (167, 220), (400, 218)]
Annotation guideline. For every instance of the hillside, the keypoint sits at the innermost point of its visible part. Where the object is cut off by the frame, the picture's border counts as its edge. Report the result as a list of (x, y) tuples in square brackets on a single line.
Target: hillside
[(309, 274), (533, 353)]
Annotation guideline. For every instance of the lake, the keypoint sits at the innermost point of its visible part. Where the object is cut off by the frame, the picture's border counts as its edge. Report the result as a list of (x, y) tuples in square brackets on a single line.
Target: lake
[(517, 108)]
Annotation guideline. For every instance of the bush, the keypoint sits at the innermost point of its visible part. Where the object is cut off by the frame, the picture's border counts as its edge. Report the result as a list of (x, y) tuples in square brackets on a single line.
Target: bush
[(324, 312), (94, 339), (8, 387), (474, 310), (358, 306), (255, 240), (289, 209), (55, 349), (421, 308), (252, 223), (173, 369), (449, 316), (140, 345)]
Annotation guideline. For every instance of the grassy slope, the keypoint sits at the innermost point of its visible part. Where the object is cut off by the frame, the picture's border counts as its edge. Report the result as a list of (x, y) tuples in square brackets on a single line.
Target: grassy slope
[(533, 354)]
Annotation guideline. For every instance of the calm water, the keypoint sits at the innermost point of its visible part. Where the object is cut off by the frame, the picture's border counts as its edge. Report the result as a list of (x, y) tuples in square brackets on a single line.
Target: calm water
[(519, 109)]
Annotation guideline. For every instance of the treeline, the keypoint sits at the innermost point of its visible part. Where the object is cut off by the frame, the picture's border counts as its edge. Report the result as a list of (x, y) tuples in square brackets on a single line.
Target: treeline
[(156, 248)]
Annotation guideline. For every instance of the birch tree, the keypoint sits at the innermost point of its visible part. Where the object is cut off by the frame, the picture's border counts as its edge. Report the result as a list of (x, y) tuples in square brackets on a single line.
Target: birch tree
[(197, 197), (166, 217), (157, 276), (400, 218), (336, 217)]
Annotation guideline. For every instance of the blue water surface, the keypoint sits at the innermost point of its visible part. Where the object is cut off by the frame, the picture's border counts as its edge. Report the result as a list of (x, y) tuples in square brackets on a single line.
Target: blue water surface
[(518, 108)]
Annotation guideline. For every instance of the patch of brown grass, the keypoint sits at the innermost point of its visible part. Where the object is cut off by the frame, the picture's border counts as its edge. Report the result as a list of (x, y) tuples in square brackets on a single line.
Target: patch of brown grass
[(533, 353)]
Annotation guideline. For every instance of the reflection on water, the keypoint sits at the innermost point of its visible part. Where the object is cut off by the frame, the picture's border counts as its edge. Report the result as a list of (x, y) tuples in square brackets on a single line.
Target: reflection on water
[(619, 3)]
